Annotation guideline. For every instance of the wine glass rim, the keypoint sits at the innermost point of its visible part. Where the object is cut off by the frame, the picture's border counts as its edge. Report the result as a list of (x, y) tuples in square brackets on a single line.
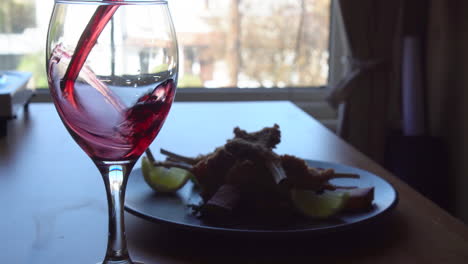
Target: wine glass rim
[(112, 2)]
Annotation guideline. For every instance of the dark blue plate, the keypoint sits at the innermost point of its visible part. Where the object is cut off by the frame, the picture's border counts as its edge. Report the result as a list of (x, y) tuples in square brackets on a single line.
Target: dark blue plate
[(173, 209)]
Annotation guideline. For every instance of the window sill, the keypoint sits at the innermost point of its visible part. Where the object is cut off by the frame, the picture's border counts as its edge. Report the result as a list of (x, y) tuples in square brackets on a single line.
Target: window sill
[(299, 94), (309, 99)]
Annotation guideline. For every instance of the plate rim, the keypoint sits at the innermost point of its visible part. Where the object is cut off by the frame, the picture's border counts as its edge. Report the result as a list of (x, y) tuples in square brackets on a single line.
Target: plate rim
[(316, 230)]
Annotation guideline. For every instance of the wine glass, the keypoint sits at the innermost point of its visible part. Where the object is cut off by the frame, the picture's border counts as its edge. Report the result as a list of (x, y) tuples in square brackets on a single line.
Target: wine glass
[(112, 69)]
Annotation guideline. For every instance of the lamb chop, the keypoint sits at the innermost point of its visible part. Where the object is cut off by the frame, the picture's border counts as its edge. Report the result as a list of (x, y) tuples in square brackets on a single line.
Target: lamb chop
[(246, 174)]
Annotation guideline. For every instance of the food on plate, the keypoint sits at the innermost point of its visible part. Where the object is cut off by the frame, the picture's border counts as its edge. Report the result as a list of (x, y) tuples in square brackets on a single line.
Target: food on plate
[(319, 205), (360, 199), (166, 180), (246, 177)]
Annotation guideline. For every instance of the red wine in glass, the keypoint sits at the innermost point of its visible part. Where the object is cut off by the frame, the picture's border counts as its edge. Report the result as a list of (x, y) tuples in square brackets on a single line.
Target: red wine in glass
[(98, 120), (112, 111)]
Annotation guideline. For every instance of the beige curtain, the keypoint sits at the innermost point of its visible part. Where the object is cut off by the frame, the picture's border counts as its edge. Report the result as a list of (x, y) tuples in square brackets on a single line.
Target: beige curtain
[(368, 95), (447, 91)]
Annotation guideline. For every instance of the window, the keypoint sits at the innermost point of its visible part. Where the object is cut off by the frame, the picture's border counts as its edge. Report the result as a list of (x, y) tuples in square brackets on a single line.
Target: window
[(253, 43), (22, 37), (223, 43)]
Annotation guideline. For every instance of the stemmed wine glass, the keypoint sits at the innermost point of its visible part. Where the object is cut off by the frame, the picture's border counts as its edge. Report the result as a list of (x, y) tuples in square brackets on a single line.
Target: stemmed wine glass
[(112, 70)]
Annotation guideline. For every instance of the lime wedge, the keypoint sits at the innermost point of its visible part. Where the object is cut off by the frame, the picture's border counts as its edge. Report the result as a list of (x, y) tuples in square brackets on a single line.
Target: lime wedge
[(319, 206), (162, 179)]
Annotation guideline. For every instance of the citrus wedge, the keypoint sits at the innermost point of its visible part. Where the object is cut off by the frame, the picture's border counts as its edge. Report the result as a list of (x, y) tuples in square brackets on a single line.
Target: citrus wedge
[(162, 179), (318, 206)]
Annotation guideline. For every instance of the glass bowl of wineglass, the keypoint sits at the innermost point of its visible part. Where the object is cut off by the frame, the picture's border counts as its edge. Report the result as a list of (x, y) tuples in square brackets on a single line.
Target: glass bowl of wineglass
[(112, 70)]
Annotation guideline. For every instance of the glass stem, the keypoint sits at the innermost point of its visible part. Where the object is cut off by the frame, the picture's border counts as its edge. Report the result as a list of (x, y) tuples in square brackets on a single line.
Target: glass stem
[(115, 175)]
